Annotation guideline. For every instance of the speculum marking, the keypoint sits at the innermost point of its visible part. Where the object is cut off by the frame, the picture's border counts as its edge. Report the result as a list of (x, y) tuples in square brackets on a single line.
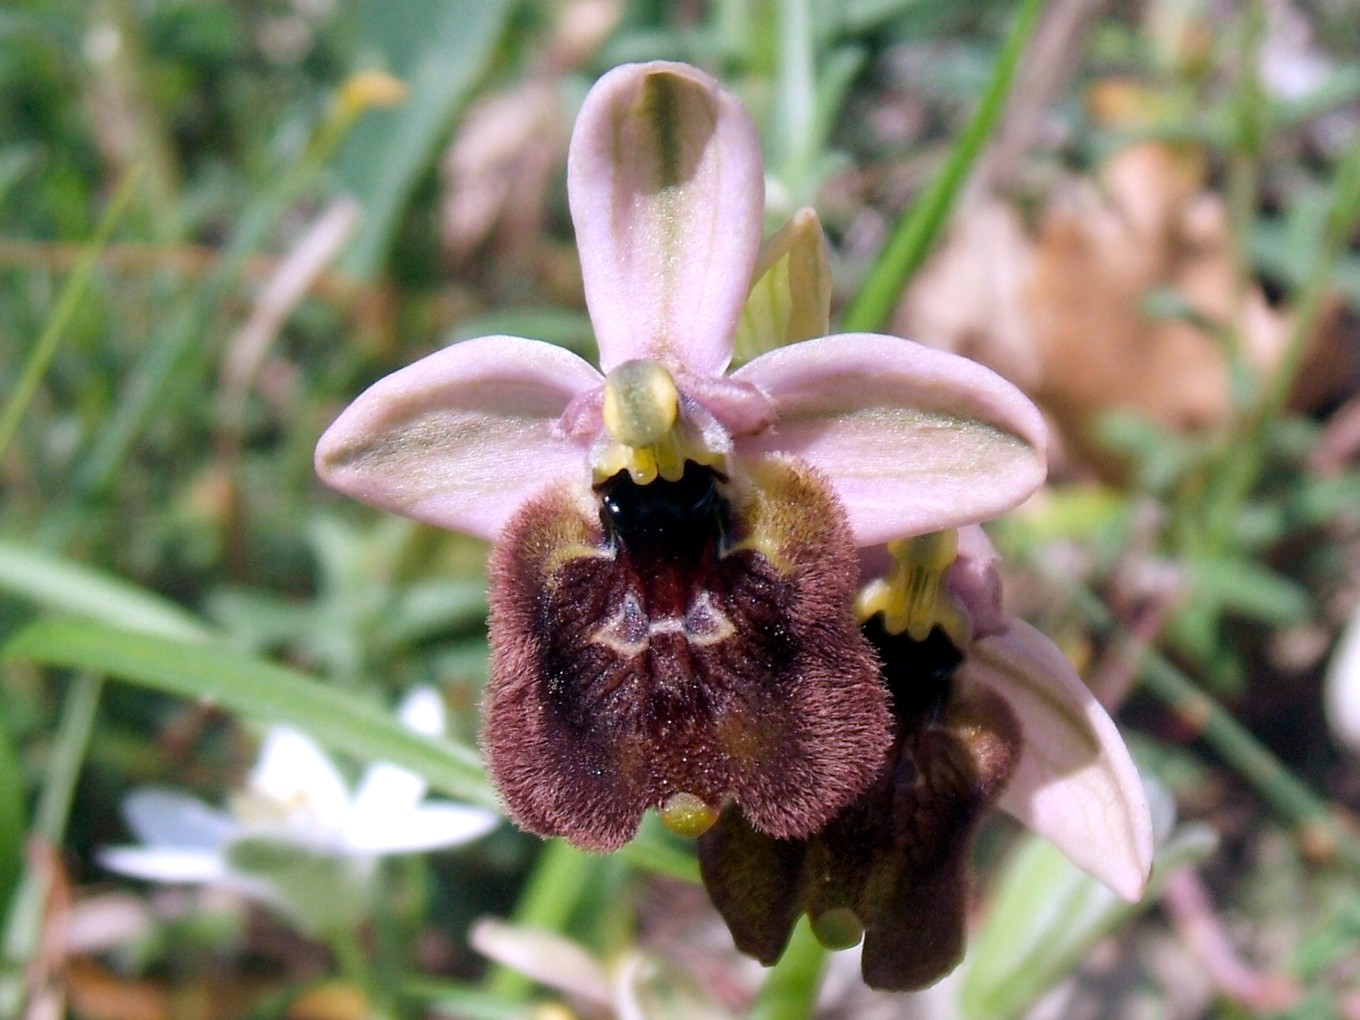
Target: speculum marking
[(629, 632)]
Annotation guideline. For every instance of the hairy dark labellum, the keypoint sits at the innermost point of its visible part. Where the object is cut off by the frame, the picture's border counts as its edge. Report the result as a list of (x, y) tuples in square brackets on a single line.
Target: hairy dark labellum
[(680, 642), (892, 866)]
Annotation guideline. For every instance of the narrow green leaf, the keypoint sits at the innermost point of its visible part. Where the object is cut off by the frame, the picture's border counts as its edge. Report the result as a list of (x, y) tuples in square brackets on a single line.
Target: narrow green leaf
[(25, 920), (385, 156), (274, 694), (795, 102), (1047, 914), (1248, 588), (65, 586), (915, 232), (12, 819), (41, 355)]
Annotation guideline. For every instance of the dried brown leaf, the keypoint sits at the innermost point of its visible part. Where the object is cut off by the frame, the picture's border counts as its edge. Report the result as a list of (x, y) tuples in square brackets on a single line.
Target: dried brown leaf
[(1063, 309)]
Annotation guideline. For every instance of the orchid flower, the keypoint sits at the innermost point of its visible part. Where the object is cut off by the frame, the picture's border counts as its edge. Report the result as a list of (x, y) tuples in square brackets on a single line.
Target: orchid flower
[(296, 831), (987, 713), (674, 567)]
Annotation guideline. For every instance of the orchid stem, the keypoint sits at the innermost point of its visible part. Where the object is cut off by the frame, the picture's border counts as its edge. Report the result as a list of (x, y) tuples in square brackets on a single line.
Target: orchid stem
[(1320, 831), (550, 897), (790, 989), (915, 232)]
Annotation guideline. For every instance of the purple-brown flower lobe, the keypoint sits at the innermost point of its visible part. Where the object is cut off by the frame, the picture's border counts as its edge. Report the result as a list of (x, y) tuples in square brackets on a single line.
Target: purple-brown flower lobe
[(691, 637)]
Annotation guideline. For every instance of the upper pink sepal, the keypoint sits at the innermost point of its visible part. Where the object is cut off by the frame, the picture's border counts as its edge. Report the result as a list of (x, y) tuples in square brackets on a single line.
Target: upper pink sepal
[(461, 438), (667, 194), (913, 439), (1076, 784)]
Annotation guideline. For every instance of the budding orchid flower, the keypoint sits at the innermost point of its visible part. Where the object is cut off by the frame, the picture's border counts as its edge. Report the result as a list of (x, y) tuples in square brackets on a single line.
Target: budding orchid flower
[(674, 567), (987, 712)]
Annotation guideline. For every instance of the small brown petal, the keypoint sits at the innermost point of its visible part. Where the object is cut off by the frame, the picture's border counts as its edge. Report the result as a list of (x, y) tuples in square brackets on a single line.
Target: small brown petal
[(754, 881), (914, 904), (697, 640)]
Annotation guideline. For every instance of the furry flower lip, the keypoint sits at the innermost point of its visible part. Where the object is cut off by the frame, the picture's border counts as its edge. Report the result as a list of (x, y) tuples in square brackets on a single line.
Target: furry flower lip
[(986, 712), (674, 563)]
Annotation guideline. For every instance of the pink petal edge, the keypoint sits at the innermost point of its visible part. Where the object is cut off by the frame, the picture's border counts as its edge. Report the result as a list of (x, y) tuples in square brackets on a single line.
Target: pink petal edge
[(1076, 784), (462, 437), (913, 439), (666, 267)]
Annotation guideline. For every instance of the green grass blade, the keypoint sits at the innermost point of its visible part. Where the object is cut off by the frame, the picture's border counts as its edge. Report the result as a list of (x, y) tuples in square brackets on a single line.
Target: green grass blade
[(1046, 914), (916, 231), (244, 684), (68, 754), (384, 158), (12, 818), (24, 923), (73, 588), (41, 355)]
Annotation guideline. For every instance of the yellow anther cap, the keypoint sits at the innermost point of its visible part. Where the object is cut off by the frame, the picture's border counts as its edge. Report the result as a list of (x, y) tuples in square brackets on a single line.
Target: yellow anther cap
[(641, 403)]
